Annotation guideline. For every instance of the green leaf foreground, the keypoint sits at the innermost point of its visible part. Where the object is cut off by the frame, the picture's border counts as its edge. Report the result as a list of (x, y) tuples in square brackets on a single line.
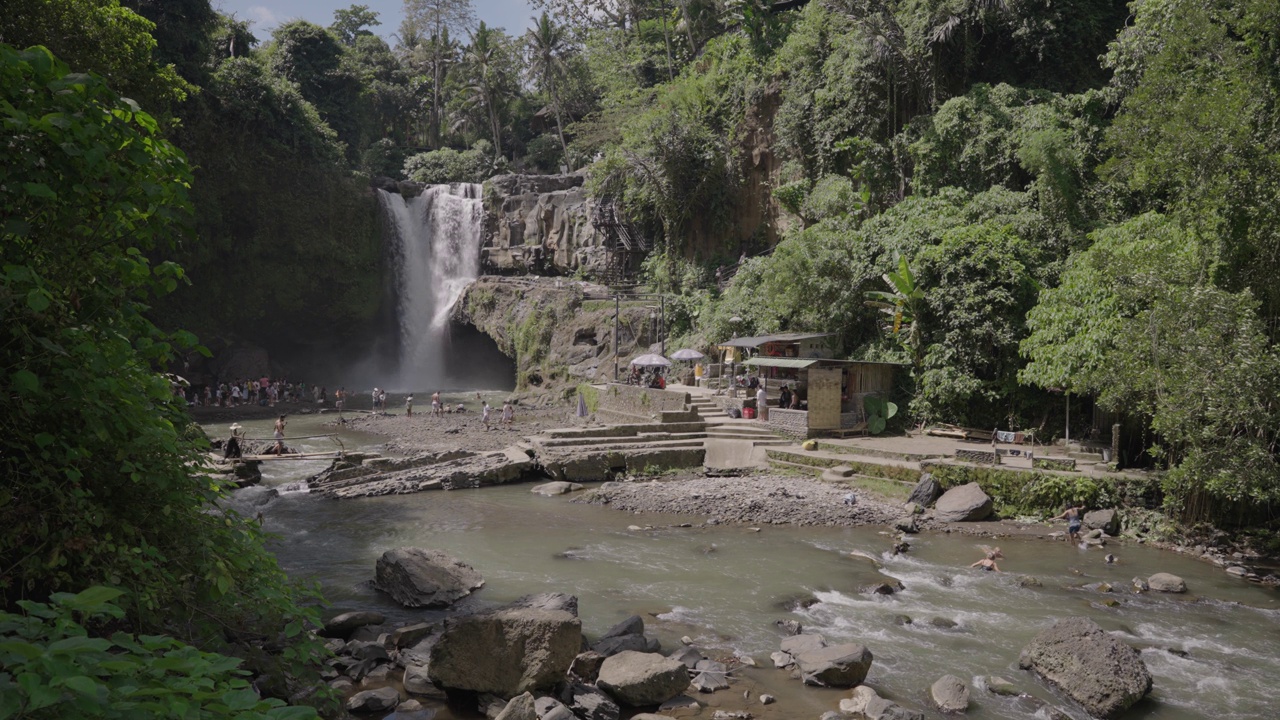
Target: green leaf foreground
[(130, 591)]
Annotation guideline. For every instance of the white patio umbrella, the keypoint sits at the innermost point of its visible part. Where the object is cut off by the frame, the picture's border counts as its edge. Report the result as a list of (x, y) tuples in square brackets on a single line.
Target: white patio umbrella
[(651, 360), (687, 354)]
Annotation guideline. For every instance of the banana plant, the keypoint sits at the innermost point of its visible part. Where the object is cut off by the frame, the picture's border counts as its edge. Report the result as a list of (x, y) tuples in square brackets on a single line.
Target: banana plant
[(903, 303)]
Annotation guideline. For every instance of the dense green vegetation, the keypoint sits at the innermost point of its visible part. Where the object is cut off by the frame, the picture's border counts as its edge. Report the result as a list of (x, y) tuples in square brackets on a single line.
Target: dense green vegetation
[(1073, 199), (122, 560)]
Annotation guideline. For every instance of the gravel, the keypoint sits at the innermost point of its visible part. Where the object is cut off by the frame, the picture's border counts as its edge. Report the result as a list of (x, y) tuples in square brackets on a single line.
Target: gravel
[(753, 499)]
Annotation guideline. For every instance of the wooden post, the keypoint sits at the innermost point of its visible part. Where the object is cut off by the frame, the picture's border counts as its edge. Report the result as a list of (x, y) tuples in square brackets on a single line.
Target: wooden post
[(662, 324)]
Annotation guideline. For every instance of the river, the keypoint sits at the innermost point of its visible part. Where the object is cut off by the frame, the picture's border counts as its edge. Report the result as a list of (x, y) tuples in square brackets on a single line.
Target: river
[(1214, 652)]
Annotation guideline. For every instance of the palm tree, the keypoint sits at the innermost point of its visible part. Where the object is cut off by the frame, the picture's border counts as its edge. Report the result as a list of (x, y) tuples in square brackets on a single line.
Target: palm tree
[(547, 47), (481, 59)]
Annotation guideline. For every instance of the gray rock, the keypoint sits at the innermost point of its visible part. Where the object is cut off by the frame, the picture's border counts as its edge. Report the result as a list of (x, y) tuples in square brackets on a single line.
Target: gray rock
[(409, 635), (621, 643), (881, 709), (1237, 571), (997, 685), (768, 699), (558, 487), (844, 665), (343, 625), (633, 625), (963, 503), (636, 679), (1108, 521), (679, 706), (1093, 668), (797, 644), (1164, 582), (782, 660), (589, 703), (416, 681), (586, 666), (925, 491), (950, 694), (369, 701), (790, 627), (411, 710), (709, 682), (1028, 581), (425, 578), (519, 707), (711, 666), (548, 601), (907, 524), (342, 684), (856, 704), (690, 656), (943, 623), (506, 651), (549, 708)]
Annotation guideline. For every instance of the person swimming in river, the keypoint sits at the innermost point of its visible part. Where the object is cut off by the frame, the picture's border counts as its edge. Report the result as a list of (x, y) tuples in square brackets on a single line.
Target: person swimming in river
[(1072, 516), (988, 562)]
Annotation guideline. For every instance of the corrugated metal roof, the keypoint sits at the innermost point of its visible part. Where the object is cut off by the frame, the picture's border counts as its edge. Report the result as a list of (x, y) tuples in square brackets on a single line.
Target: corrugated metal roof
[(798, 363), (758, 340)]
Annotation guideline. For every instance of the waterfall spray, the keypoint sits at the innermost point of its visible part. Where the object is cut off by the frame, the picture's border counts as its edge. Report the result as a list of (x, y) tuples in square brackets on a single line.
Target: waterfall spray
[(438, 236)]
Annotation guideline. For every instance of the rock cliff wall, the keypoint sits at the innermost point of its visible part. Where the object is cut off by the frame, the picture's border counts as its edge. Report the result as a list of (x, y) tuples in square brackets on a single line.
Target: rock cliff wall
[(554, 332), (541, 224)]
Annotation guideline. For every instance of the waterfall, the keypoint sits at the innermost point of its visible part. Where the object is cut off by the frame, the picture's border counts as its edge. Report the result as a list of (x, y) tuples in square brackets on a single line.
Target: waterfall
[(437, 249)]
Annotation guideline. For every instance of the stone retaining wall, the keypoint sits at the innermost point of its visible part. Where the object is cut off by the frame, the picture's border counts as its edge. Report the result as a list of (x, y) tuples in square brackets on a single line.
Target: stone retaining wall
[(791, 422), (629, 403), (984, 457)]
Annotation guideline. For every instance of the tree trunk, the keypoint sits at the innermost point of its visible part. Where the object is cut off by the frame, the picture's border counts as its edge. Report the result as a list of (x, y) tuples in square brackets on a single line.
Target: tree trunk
[(555, 104)]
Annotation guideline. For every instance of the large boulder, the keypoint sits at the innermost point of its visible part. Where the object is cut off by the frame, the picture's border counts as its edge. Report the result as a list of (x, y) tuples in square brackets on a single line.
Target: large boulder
[(1164, 582), (950, 694), (843, 665), (1091, 667), (506, 651), (519, 707), (370, 701), (343, 625), (963, 503), (637, 679), (416, 577), (1108, 521), (558, 487), (925, 491)]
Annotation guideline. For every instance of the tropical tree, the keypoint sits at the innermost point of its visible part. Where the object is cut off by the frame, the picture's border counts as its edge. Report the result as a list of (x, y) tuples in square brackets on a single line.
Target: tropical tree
[(483, 64), (432, 21), (547, 44), (350, 23)]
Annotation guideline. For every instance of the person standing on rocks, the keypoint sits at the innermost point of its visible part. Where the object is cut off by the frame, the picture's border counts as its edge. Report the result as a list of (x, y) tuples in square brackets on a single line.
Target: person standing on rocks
[(436, 408), (485, 416), (1072, 516), (408, 406), (762, 403), (508, 414)]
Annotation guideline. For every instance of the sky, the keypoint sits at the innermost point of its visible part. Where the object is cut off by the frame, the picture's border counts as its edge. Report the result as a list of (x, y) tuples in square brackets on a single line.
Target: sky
[(513, 15)]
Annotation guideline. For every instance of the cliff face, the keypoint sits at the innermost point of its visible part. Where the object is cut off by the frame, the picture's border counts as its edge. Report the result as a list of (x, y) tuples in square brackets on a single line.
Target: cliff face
[(556, 336), (541, 224)]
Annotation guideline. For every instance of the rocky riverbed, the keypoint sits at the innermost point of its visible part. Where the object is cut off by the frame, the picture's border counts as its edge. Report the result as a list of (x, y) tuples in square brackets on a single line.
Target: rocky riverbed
[(751, 499)]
